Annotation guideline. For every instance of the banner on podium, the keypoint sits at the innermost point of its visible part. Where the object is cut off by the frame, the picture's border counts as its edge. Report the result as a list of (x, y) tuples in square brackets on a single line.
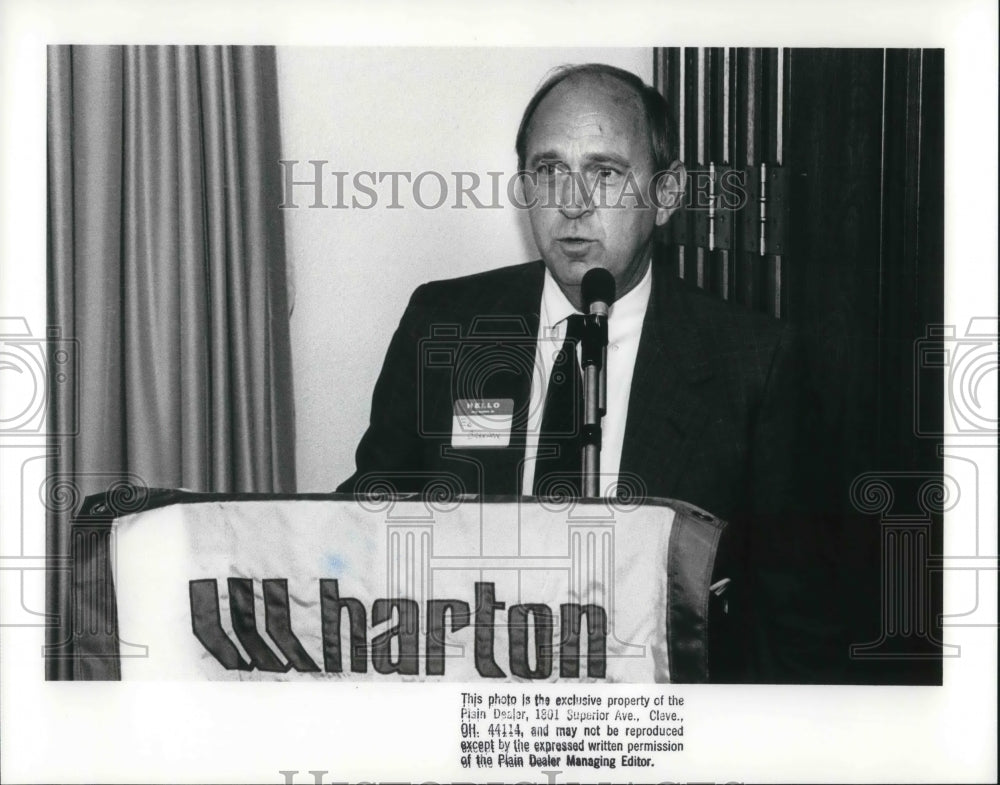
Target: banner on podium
[(202, 587)]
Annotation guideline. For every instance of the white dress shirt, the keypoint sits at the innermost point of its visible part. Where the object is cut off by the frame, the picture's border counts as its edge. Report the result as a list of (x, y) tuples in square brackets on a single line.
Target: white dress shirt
[(624, 328)]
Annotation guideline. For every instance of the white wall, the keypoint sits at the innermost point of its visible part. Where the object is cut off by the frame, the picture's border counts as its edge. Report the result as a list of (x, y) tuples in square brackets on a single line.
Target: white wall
[(387, 109)]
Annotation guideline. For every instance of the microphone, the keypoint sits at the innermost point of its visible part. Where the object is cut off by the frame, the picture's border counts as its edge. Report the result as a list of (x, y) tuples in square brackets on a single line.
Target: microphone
[(598, 291)]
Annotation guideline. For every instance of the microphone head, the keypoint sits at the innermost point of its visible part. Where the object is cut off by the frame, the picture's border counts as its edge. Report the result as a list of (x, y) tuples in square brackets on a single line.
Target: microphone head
[(598, 285)]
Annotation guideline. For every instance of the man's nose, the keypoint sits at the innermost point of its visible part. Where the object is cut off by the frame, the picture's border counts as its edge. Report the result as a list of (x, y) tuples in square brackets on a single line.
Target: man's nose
[(572, 196)]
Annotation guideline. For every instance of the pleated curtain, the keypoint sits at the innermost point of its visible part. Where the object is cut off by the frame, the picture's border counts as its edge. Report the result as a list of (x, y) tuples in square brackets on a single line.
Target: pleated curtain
[(166, 279)]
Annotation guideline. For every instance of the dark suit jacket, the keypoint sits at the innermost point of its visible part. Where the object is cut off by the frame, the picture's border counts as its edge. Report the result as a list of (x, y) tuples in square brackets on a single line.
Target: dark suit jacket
[(714, 418)]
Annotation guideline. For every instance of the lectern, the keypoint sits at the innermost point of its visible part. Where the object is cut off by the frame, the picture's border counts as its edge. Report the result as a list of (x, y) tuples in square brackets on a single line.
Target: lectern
[(310, 587)]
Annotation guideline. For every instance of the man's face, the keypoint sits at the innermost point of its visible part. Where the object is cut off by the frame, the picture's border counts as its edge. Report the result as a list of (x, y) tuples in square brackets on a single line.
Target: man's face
[(591, 134)]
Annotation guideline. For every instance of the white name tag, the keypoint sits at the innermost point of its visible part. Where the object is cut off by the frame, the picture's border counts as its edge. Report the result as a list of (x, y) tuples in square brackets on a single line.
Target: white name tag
[(482, 422)]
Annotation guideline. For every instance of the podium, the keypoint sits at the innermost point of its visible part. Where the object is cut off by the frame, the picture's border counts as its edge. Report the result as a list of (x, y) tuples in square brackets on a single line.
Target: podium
[(186, 586)]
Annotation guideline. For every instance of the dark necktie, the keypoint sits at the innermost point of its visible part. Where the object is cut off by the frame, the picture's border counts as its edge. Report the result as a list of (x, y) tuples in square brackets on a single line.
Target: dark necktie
[(562, 418)]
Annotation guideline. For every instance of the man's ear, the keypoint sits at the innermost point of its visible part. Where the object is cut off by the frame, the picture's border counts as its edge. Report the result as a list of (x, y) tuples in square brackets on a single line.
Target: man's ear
[(670, 191)]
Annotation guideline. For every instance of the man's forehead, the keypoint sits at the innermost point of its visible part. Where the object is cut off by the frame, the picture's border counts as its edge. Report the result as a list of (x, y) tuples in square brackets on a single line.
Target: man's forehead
[(587, 110), (579, 126)]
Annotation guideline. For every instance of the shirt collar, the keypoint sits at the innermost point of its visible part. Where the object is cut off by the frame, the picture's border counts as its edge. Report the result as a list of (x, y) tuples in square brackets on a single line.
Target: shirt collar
[(556, 308)]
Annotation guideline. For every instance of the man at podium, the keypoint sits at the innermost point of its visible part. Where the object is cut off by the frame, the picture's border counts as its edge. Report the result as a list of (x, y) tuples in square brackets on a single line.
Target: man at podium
[(479, 389)]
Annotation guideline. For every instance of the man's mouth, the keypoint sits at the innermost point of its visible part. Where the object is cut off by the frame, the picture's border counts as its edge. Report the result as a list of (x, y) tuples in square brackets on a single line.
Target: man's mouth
[(574, 246)]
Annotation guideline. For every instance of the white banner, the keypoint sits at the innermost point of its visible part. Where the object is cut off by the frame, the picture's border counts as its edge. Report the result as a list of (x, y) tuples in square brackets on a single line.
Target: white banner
[(396, 590)]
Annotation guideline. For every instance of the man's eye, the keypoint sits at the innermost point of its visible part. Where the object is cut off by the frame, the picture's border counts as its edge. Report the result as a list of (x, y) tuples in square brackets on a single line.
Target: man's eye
[(607, 173), (547, 170)]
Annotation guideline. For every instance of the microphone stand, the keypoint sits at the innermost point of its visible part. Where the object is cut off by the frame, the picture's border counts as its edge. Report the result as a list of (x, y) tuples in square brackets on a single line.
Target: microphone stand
[(593, 356)]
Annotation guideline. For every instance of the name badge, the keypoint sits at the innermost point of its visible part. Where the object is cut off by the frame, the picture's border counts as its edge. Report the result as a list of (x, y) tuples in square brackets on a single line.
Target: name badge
[(482, 422)]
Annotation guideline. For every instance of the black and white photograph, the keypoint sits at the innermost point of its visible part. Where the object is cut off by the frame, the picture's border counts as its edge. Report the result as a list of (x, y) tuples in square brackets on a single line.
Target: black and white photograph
[(494, 405)]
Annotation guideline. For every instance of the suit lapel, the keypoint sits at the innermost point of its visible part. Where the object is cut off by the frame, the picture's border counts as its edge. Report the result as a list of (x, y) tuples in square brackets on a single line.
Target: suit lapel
[(517, 318), (666, 412), (497, 362)]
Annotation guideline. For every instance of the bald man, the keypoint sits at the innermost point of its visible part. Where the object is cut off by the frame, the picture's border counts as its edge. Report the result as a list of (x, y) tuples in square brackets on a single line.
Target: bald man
[(702, 401)]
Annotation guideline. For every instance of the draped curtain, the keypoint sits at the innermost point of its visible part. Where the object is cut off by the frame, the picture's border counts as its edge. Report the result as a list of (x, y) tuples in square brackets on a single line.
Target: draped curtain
[(167, 283)]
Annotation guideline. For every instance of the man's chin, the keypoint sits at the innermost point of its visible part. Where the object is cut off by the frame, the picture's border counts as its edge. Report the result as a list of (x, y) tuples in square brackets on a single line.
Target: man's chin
[(570, 272)]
